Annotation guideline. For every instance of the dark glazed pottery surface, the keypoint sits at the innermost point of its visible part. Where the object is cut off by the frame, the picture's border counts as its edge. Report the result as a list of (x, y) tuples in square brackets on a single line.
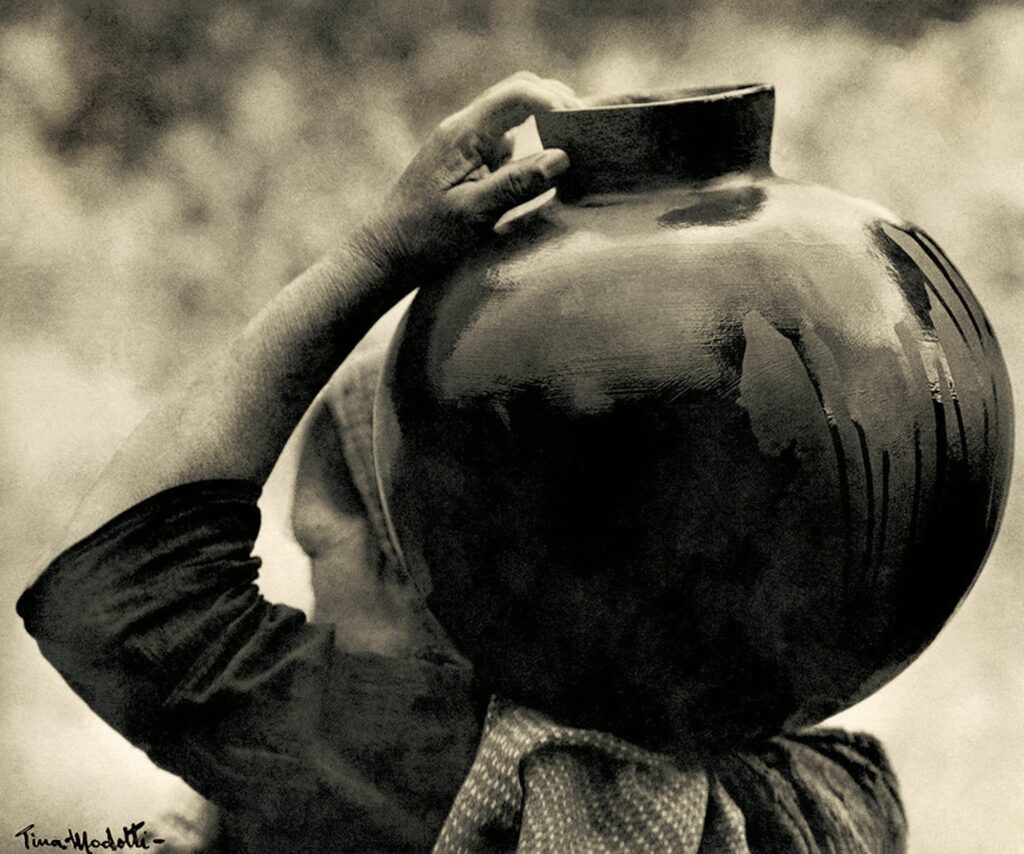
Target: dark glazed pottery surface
[(699, 453)]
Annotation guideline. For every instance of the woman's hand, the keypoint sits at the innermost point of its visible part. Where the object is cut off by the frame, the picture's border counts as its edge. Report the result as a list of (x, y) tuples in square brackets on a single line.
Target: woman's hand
[(462, 181), (235, 414)]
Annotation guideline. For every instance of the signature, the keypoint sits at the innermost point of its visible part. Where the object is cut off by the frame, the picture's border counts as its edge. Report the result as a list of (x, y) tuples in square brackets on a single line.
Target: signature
[(131, 836)]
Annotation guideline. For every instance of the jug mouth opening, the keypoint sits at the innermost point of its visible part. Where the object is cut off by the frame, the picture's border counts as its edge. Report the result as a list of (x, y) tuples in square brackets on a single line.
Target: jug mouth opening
[(633, 142), (668, 97)]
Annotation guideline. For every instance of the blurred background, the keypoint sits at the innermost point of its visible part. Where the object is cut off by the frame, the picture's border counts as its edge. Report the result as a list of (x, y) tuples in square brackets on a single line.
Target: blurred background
[(166, 166)]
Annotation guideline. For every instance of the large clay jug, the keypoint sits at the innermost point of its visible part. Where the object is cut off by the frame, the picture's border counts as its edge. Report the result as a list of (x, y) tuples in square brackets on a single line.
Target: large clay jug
[(698, 453)]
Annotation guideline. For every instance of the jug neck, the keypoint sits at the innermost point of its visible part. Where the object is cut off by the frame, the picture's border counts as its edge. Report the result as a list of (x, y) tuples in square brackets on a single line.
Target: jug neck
[(640, 142)]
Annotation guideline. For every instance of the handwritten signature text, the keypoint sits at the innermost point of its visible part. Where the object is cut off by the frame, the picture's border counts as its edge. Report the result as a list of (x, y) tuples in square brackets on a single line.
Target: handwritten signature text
[(131, 836)]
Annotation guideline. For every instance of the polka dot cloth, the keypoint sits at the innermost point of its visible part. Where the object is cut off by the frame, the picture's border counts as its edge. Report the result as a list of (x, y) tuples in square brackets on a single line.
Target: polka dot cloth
[(537, 786)]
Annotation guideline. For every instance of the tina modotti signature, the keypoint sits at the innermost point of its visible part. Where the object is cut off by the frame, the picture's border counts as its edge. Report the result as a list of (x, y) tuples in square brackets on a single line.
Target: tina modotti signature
[(131, 836)]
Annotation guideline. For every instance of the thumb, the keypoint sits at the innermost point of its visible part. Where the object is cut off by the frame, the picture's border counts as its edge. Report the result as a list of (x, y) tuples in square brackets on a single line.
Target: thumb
[(516, 182)]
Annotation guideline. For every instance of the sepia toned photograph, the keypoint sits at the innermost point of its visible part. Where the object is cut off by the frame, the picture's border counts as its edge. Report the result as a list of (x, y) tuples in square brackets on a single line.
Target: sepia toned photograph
[(545, 426)]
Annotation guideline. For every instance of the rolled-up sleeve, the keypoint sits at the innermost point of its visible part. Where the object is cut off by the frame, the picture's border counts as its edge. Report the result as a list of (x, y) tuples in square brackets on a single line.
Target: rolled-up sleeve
[(156, 621), (158, 600)]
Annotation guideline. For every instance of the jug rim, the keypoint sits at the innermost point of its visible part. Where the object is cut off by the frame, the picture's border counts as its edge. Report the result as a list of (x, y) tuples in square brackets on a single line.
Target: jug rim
[(632, 143), (669, 97)]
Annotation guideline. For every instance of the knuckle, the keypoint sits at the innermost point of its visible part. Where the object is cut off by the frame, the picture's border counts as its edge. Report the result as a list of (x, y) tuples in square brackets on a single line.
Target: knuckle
[(503, 149), (517, 88), (518, 184), (468, 145), (469, 213), (460, 206), (524, 88), (449, 126)]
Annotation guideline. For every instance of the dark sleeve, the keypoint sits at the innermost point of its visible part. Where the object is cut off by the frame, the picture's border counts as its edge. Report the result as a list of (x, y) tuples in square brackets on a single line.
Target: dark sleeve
[(819, 791), (148, 606), (155, 620)]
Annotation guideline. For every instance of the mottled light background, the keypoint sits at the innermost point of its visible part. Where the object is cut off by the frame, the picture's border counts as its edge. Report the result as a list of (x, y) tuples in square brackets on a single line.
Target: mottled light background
[(166, 166)]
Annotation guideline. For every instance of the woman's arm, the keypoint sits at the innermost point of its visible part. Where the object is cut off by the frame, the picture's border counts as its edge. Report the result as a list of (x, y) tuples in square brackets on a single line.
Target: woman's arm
[(231, 418), (155, 619)]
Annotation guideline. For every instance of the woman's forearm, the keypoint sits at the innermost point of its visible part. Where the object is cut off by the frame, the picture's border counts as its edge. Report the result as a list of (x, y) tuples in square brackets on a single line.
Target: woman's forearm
[(232, 416)]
